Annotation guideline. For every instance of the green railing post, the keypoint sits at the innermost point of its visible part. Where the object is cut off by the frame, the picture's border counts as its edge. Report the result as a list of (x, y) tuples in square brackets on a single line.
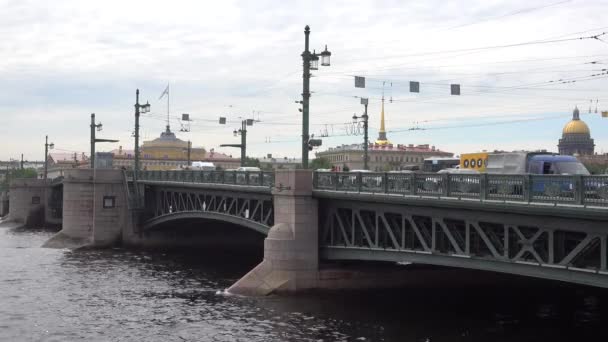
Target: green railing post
[(528, 185), (445, 179), (483, 186), (337, 178), (359, 182), (413, 184), (579, 189), (385, 182)]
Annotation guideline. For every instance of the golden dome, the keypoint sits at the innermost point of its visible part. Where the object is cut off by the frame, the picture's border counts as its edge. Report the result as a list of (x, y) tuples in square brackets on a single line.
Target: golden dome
[(576, 127)]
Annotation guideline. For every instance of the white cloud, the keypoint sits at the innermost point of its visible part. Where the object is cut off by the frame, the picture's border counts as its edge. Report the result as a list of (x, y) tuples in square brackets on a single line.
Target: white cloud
[(62, 60)]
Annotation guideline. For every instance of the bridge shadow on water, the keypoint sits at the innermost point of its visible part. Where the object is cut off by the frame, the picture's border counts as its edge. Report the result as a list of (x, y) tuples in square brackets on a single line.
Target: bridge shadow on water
[(437, 304), (461, 305), (229, 242)]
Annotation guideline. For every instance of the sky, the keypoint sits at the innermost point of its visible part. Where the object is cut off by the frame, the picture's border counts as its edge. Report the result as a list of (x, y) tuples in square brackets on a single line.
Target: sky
[(515, 61)]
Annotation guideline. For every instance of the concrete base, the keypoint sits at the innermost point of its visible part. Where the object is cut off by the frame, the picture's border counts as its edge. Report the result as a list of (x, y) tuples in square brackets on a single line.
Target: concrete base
[(94, 209), (282, 269), (27, 198), (291, 254)]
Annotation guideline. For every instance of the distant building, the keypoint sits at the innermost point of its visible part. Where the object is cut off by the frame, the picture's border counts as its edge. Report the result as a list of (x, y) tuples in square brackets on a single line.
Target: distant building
[(280, 163), (103, 160), (576, 137), (222, 161), (382, 154), (597, 163), (60, 161), (381, 157), (168, 152)]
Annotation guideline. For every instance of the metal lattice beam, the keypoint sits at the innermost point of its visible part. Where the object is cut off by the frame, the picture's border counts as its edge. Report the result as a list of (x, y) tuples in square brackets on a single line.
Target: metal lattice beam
[(571, 247)]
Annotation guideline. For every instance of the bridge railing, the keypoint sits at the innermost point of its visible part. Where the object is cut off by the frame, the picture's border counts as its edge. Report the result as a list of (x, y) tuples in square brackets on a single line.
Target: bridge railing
[(562, 189), (249, 178)]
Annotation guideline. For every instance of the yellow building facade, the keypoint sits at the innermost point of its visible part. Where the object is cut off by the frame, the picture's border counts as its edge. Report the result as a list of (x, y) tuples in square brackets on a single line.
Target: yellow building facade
[(168, 152)]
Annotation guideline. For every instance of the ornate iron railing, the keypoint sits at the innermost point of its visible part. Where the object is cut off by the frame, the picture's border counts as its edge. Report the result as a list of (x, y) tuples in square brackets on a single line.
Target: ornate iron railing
[(250, 178), (562, 189)]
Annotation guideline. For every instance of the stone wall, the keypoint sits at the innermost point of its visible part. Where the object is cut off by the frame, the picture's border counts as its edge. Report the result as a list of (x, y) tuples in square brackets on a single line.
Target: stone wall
[(3, 204), (291, 252), (27, 198), (94, 209)]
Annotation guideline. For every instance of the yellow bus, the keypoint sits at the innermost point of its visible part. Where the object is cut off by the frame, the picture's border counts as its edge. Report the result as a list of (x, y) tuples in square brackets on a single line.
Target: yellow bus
[(476, 161)]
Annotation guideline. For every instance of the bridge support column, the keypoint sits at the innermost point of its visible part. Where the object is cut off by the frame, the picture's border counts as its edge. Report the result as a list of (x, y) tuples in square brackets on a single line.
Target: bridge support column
[(27, 198), (3, 204), (94, 209), (291, 251)]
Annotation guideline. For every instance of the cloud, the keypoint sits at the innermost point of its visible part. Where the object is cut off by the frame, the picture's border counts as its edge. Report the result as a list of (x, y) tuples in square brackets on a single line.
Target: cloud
[(60, 61)]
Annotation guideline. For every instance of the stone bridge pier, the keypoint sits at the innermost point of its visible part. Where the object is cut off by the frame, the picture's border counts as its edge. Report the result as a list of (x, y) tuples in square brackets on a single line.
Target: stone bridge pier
[(3, 204), (27, 198), (95, 210), (291, 251)]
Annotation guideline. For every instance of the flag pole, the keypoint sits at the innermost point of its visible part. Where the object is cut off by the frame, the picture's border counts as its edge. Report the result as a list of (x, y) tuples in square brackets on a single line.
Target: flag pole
[(168, 95)]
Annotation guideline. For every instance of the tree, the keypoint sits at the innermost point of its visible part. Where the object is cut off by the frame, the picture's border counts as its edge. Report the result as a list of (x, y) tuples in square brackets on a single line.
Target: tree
[(252, 162), (596, 169), (320, 163), (17, 173)]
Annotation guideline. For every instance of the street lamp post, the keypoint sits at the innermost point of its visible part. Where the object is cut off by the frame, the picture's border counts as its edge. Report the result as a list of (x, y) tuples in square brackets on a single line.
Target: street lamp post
[(138, 109), (47, 146), (94, 139), (310, 62), (364, 118), (243, 133), (189, 151)]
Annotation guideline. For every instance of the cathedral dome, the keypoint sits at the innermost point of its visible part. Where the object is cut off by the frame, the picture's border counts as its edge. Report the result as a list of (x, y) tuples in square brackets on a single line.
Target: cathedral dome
[(576, 127), (576, 137)]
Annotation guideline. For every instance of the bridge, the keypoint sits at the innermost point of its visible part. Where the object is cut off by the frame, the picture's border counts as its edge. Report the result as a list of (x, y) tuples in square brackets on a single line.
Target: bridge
[(543, 226)]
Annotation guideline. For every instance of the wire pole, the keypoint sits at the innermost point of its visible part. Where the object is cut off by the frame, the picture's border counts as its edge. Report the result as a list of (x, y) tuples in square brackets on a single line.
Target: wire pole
[(136, 166), (243, 142), (365, 137), (46, 158), (92, 140), (189, 149), (305, 97)]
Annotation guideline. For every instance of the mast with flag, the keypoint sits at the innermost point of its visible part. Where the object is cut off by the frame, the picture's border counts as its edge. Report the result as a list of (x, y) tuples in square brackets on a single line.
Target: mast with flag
[(166, 92)]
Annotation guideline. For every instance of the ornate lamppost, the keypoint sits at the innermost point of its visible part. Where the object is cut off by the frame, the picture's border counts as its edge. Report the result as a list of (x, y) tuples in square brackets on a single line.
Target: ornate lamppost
[(311, 62)]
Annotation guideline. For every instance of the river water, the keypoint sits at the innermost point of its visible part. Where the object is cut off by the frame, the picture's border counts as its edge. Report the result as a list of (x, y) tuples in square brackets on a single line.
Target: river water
[(127, 295)]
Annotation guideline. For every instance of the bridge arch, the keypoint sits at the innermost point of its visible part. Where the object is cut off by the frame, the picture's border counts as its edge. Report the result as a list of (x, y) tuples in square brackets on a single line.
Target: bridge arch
[(206, 215)]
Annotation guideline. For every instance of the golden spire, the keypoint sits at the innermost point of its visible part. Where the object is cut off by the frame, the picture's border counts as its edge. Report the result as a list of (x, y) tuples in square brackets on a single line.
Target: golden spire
[(382, 117), (382, 140)]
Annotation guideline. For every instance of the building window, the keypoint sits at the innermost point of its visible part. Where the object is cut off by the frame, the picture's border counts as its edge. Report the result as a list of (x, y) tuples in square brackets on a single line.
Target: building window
[(35, 199), (109, 202)]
